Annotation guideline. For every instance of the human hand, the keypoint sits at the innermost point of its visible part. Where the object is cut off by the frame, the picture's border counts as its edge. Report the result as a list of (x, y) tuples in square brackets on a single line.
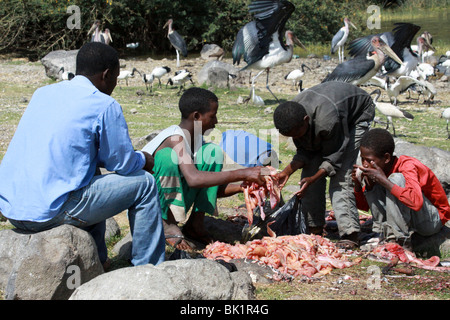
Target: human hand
[(282, 178), (357, 177), (149, 162), (254, 174), (304, 184)]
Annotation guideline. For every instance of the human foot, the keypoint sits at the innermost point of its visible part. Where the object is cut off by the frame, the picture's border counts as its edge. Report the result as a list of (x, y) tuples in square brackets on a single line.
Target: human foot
[(174, 236), (195, 228)]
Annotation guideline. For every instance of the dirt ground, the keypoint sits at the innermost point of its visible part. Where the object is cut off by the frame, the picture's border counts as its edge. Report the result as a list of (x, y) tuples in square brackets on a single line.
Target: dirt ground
[(19, 79)]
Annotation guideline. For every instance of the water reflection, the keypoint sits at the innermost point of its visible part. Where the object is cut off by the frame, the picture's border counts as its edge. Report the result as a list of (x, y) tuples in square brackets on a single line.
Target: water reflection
[(435, 22)]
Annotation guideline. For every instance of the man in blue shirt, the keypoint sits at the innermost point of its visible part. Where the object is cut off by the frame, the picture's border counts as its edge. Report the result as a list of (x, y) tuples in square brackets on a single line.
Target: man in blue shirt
[(49, 173)]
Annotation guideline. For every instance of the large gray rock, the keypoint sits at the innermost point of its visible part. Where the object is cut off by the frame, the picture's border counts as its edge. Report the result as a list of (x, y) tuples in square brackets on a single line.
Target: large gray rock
[(55, 60), (46, 265), (212, 52), (434, 158), (215, 73), (188, 279)]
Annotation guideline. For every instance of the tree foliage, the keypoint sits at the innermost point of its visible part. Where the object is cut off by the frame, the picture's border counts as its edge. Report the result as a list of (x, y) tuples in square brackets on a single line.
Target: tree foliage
[(36, 27)]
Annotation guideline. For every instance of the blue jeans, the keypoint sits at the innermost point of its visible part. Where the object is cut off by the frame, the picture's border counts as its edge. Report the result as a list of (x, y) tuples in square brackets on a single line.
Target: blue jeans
[(104, 197)]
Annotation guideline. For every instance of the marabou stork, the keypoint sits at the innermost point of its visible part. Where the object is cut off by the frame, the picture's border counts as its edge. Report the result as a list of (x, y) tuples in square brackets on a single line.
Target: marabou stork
[(260, 41), (362, 68), (296, 75), (390, 111), (176, 40), (446, 115), (339, 39), (98, 35), (403, 35), (399, 39)]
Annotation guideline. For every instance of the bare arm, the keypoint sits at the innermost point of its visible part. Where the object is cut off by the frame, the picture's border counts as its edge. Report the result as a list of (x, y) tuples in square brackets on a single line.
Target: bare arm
[(202, 179)]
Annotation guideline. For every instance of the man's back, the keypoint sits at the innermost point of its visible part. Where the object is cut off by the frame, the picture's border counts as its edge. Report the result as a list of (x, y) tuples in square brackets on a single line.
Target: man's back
[(55, 148)]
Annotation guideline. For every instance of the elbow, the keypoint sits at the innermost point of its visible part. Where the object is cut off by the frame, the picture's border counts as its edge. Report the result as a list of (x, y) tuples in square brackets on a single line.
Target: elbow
[(194, 182), (418, 205)]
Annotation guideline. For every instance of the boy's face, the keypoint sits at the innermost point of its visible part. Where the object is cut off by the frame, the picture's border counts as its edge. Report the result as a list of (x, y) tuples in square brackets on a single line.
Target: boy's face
[(367, 156), (209, 118)]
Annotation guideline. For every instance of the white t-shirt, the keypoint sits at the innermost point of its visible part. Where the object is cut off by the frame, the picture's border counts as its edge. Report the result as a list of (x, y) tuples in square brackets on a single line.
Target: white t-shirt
[(174, 130)]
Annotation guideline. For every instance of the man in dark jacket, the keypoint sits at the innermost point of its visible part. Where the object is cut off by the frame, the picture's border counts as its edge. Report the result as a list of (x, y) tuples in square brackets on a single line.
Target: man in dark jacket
[(326, 123)]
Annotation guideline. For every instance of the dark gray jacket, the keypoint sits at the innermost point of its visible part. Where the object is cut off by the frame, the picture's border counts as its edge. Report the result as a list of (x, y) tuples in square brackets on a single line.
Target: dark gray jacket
[(334, 108)]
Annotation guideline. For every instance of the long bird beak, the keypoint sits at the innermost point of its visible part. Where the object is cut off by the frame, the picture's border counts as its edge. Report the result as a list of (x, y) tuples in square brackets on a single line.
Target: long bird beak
[(388, 51), (429, 44), (167, 23), (351, 23), (297, 42), (92, 28)]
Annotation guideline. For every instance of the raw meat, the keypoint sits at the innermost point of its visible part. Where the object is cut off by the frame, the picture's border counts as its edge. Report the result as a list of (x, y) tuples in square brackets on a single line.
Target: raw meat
[(299, 255)]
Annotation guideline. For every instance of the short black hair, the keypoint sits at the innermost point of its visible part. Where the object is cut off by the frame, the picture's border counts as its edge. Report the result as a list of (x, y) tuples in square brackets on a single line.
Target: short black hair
[(379, 141), (288, 115), (196, 99), (96, 57)]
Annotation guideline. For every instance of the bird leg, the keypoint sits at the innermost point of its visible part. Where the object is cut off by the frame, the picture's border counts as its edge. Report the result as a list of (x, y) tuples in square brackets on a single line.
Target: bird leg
[(253, 84), (267, 85), (178, 58)]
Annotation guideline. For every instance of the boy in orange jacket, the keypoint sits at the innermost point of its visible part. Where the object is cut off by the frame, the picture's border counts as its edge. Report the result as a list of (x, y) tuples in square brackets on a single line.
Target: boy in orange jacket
[(403, 194)]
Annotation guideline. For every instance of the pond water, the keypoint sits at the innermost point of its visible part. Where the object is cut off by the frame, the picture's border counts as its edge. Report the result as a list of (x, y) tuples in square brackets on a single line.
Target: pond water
[(435, 22)]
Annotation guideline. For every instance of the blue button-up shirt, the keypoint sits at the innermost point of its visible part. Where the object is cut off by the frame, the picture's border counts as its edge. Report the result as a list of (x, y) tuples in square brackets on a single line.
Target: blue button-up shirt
[(68, 130)]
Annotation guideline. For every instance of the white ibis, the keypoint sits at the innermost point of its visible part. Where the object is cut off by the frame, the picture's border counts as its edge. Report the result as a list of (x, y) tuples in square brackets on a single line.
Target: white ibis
[(423, 71), (159, 72), (361, 68), (148, 80), (65, 75), (125, 74), (400, 86), (132, 45), (446, 115), (390, 111), (339, 39), (296, 75), (176, 40), (180, 78), (260, 42), (427, 89)]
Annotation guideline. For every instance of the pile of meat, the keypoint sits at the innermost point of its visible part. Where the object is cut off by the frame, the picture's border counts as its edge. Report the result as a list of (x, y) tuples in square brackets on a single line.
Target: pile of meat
[(255, 195), (299, 255), (395, 252)]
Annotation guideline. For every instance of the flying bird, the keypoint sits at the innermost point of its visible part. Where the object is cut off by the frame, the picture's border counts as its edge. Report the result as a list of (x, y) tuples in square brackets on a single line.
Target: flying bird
[(176, 40), (362, 68), (339, 39), (260, 42)]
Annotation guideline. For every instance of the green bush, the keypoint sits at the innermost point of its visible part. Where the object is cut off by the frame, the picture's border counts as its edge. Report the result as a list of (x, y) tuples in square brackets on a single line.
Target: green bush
[(35, 27)]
